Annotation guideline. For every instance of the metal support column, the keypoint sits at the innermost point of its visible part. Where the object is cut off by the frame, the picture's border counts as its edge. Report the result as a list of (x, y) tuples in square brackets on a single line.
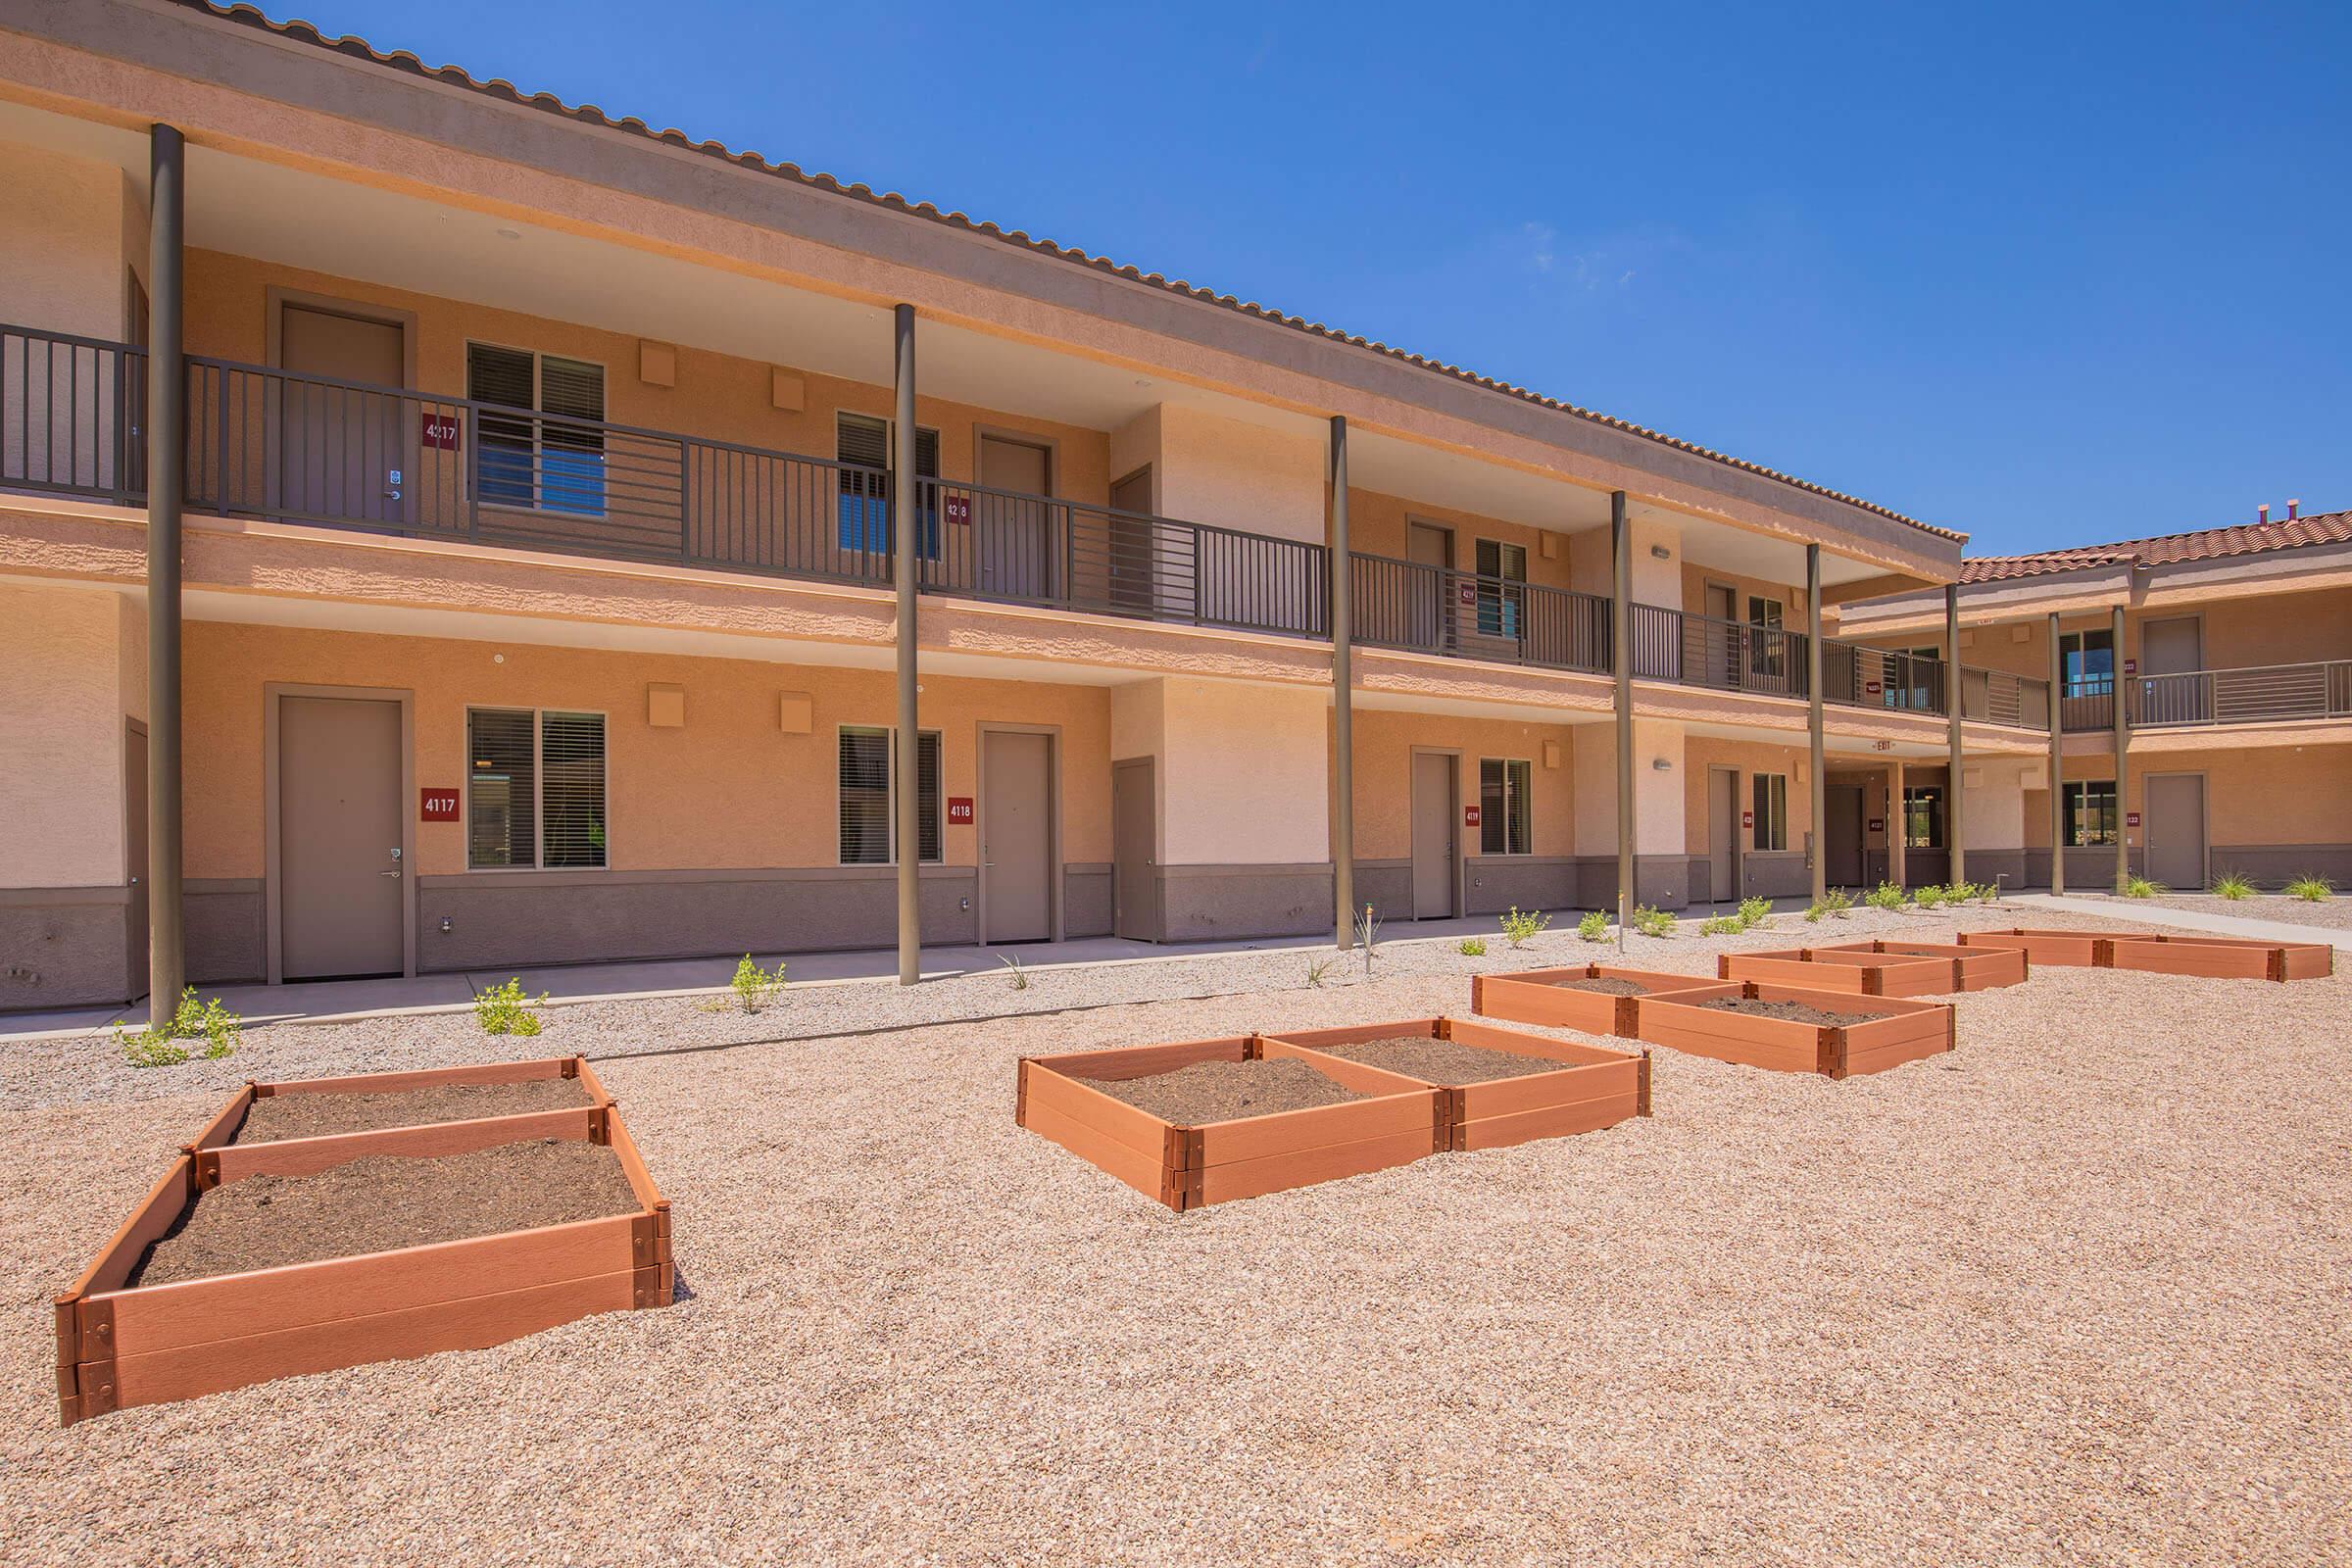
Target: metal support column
[(1343, 700), (2057, 762), (906, 763), (2122, 768), (1815, 732), (1954, 816), (1621, 659), (1897, 820), (166, 423)]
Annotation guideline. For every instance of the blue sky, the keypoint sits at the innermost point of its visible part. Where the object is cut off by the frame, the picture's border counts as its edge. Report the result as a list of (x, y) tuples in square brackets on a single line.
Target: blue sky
[(2047, 274)]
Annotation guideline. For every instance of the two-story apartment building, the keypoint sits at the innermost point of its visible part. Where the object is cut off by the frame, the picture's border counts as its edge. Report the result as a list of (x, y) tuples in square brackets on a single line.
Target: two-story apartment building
[(442, 528), (2230, 748)]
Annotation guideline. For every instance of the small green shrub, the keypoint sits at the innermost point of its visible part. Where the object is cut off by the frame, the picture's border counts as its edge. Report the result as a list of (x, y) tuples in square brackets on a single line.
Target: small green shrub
[(1720, 925), (1831, 906), (1318, 969), (1474, 947), (1593, 927), (755, 988), (1755, 913), (2140, 887), (1520, 929), (1886, 896), (2311, 888), (504, 1009), (1968, 891), (2234, 887), (158, 1045), (1016, 974), (1930, 898), (1654, 923)]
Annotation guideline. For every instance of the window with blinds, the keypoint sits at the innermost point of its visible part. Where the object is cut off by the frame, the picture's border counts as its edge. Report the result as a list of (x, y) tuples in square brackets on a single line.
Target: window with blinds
[(1771, 803), (1501, 570), (1505, 813), (868, 823), (534, 789), (863, 439), (1923, 817), (549, 454)]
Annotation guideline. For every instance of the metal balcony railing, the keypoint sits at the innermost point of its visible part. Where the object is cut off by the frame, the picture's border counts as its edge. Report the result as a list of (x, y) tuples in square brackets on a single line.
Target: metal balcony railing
[(71, 413), (2000, 698), (1854, 676), (2264, 694), (2086, 702), (1721, 655), (1461, 614)]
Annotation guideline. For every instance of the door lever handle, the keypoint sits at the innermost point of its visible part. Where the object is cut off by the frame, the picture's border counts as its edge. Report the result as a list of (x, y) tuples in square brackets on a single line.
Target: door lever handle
[(387, 873)]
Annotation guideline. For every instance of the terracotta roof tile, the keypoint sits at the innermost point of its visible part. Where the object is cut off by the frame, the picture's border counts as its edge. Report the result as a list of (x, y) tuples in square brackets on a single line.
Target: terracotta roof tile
[(589, 113), (2167, 549)]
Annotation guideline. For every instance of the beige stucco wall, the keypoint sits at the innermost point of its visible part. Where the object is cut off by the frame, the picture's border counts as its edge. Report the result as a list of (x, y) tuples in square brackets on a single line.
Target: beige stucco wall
[(2253, 795), (730, 789), (1659, 807), (71, 673), (1234, 475), (1385, 743), (1692, 594), (1243, 770), (66, 248), (1377, 526), (2237, 633), (1702, 752)]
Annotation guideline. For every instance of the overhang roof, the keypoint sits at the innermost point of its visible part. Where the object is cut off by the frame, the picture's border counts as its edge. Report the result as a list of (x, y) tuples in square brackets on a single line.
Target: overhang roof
[(2167, 549)]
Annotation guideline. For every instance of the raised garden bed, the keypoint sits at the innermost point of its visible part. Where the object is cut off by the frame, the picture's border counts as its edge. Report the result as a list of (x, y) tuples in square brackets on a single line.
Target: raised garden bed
[(1596, 997), (311, 1123), (1082, 1100), (1799, 1029), (307, 1299), (1495, 1087), (2078, 950), (2221, 958), (1973, 969), (1864, 973)]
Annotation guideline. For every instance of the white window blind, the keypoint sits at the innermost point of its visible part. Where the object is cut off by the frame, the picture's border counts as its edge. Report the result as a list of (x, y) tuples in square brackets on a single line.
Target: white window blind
[(571, 788), (1505, 813), (557, 461), (534, 789), (868, 822)]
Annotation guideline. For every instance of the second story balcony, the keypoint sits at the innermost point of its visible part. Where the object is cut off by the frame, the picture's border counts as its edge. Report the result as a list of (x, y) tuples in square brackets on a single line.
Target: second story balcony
[(2263, 694)]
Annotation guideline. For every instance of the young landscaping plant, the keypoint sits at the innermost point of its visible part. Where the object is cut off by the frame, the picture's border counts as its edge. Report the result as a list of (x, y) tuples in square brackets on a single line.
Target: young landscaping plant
[(2234, 887), (1367, 936), (158, 1045), (1474, 947), (1832, 905), (1720, 925), (756, 987), (1930, 896), (1019, 976), (1518, 929), (504, 1010), (1318, 969), (1593, 927), (2140, 887), (2311, 888), (1755, 913), (1886, 896), (1654, 923)]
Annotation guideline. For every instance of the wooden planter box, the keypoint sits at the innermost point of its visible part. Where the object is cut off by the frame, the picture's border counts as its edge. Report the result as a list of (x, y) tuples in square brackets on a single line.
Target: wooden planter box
[(119, 1347), (2078, 950), (1854, 969), (2221, 958), (1898, 1030), (1600, 1089), (1190, 1167), (219, 1157), (1538, 995), (1973, 968)]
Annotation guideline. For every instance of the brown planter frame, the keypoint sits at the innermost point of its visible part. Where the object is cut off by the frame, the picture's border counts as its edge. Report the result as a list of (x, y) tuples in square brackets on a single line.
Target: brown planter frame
[(2222, 958), (1191, 1167), (1973, 968), (1599, 1087), (1899, 1030), (1536, 996), (1844, 970), (2075, 949), (120, 1346)]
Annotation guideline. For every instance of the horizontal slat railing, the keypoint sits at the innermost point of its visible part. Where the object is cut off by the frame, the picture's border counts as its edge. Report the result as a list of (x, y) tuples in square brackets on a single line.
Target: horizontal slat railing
[(2087, 703), (1855, 676), (1460, 614), (2256, 695), (1723, 655), (71, 412)]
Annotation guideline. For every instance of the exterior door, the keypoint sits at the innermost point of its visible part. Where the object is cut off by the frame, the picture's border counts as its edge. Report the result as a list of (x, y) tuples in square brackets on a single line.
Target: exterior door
[(338, 837), (2176, 830), (1720, 640), (1134, 842), (1013, 533), (1016, 835), (1842, 853), (1131, 539), (1429, 546), (343, 455), (1723, 834), (2175, 647), (135, 806), (1434, 808)]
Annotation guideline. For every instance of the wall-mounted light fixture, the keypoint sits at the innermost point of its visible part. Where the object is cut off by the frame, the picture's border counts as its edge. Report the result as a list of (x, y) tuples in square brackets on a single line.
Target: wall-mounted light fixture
[(1661, 551), (1661, 765)]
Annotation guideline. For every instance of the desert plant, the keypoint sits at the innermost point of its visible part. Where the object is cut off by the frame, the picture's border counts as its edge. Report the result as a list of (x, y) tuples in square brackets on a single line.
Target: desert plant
[(2311, 888), (1754, 912), (1831, 906), (2234, 887), (1367, 936), (2140, 886), (158, 1045), (1887, 896), (1967, 892), (504, 1009), (1319, 967), (1654, 923), (1720, 925), (755, 988), (1473, 947), (1519, 929), (1016, 974), (1930, 896), (1594, 926)]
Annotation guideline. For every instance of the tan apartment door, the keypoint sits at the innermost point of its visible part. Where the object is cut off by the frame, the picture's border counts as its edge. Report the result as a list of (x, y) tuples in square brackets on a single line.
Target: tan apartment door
[(1016, 835), (1723, 834), (1013, 534), (343, 455), (2176, 830), (1134, 850), (1132, 542), (338, 837), (1428, 546), (134, 825), (1433, 807), (1841, 862), (2174, 647)]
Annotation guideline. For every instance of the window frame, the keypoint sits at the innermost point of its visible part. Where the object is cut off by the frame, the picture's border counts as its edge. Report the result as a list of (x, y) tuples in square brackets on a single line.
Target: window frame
[(1500, 599), (2076, 644), (890, 805), (851, 538), (2077, 794), (1768, 799), (1933, 796), (604, 719), (538, 504), (1522, 798)]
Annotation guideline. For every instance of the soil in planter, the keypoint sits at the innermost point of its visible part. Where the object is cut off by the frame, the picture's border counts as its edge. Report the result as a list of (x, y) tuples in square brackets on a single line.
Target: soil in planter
[(1224, 1091), (1609, 987), (274, 1117), (373, 1206), (1794, 1011), (1444, 1061)]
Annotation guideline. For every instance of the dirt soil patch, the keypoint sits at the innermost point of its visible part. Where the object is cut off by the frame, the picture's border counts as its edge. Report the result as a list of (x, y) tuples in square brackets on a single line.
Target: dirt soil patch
[(1224, 1091), (374, 1205), (275, 1117), (1445, 1062), (1608, 987), (1794, 1011)]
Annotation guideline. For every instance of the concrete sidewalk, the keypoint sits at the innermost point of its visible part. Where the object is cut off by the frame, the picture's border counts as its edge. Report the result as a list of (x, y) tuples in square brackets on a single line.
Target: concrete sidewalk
[(2140, 912)]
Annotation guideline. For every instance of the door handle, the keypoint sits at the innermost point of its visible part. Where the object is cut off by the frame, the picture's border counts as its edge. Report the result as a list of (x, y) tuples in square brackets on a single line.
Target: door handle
[(387, 873)]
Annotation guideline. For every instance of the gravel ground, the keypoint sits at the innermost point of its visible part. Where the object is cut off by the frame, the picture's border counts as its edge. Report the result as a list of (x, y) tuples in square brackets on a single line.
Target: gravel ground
[(2075, 1293), (2336, 914)]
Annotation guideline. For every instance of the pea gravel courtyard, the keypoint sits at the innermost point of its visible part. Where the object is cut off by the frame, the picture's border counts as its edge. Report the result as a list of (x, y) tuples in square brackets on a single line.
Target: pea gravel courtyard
[(2076, 1292)]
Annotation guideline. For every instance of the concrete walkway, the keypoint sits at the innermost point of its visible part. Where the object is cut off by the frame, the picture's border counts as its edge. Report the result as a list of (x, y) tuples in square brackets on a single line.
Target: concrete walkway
[(2140, 912)]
